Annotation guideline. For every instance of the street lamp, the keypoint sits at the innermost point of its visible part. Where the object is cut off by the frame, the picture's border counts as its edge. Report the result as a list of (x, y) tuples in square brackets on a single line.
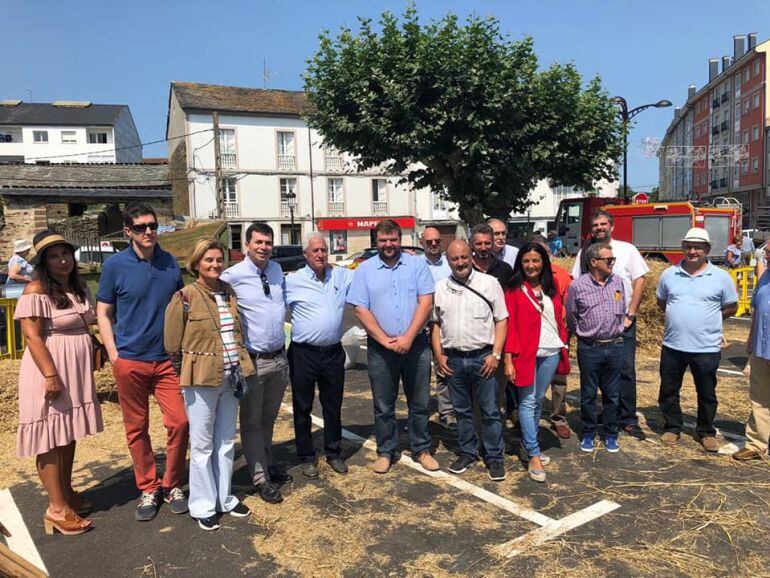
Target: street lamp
[(625, 116), (291, 200)]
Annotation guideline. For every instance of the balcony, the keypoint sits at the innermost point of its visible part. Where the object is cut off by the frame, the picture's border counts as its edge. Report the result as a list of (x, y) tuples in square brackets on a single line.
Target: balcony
[(286, 162), (228, 160), (380, 207), (335, 208), (333, 163), (232, 210), (286, 208)]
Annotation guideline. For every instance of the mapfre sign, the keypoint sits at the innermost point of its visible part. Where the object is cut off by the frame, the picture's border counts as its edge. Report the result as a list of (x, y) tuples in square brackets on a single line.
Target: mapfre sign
[(354, 224), (641, 198)]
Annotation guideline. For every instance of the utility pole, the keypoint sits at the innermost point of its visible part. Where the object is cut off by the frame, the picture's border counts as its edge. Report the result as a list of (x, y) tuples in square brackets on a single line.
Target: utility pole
[(312, 190), (218, 181)]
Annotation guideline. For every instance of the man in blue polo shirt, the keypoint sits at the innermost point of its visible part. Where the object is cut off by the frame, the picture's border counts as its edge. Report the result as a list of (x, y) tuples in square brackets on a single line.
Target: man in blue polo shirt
[(135, 287), (393, 296), (696, 297)]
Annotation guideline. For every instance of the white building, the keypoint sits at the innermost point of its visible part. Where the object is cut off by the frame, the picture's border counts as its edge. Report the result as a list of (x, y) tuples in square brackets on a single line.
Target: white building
[(67, 132)]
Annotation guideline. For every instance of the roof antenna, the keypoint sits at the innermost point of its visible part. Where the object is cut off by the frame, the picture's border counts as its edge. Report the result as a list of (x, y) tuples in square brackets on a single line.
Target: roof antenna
[(29, 90), (266, 74)]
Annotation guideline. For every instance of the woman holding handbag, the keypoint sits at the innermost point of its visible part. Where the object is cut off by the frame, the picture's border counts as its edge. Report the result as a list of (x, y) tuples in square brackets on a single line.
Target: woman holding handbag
[(57, 394), (202, 334), (536, 345)]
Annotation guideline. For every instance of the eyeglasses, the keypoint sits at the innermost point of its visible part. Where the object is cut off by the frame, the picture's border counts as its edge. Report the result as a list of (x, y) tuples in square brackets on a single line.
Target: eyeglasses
[(609, 260), (143, 227), (699, 248), (432, 241), (265, 284)]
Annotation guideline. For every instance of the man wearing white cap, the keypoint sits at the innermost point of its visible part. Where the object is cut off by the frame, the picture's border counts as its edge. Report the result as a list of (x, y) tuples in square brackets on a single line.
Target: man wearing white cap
[(696, 297)]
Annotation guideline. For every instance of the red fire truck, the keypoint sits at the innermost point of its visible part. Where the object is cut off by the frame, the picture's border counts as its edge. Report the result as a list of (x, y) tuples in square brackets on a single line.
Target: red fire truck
[(656, 229)]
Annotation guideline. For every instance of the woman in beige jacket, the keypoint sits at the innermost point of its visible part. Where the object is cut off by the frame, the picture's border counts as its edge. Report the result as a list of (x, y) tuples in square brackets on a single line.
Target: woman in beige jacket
[(202, 335)]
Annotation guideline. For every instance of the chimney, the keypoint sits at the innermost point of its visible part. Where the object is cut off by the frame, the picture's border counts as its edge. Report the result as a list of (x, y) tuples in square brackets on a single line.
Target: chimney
[(713, 68), (738, 46), (726, 62), (752, 40), (690, 91)]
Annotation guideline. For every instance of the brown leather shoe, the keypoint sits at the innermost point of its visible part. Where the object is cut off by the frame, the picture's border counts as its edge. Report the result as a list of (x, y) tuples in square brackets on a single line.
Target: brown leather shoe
[(562, 431), (381, 465), (709, 444), (746, 454), (669, 438), (428, 462)]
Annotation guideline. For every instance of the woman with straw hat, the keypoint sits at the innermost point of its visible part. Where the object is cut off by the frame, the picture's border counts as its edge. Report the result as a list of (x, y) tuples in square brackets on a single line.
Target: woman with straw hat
[(19, 270)]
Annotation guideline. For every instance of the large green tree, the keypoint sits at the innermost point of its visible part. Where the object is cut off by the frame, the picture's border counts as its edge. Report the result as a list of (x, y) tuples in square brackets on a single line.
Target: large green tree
[(462, 109)]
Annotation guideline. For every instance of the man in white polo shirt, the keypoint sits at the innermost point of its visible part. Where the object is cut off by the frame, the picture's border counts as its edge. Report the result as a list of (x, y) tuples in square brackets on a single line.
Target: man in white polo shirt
[(470, 322)]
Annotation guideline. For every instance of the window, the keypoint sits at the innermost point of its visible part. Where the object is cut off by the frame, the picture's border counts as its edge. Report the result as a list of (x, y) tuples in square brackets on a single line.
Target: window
[(756, 68), (745, 168), (230, 196), (379, 190), (40, 136), (97, 137), (755, 132), (338, 241), (68, 137), (286, 150), (746, 105), (744, 137), (101, 159), (227, 148), (746, 73), (756, 100), (288, 189), (6, 137), (755, 165), (334, 190)]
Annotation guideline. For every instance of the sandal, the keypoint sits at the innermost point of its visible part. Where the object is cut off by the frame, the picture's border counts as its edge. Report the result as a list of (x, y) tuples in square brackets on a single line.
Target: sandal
[(537, 475), (71, 525)]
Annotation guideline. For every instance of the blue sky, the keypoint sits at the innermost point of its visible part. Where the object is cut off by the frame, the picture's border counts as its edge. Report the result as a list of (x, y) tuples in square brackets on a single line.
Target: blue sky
[(129, 52)]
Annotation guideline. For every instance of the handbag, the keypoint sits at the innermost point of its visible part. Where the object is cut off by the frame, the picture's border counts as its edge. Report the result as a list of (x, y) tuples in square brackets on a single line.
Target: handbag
[(98, 350), (235, 376), (563, 368)]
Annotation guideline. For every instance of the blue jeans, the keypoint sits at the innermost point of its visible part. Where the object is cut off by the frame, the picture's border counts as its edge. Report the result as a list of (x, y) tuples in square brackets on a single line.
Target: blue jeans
[(386, 367), (627, 387), (531, 402), (465, 385), (600, 368)]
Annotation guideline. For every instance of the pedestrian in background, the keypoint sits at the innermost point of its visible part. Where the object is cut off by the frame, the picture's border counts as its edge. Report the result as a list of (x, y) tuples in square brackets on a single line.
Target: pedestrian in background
[(733, 252), (57, 395), (500, 247), (203, 338), (20, 271), (555, 244)]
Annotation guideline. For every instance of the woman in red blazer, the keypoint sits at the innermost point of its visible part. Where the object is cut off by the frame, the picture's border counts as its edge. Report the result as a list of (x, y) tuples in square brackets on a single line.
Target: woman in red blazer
[(535, 349)]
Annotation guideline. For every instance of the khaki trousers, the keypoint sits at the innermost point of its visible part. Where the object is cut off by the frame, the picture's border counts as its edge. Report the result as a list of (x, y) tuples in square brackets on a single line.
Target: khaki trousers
[(758, 426)]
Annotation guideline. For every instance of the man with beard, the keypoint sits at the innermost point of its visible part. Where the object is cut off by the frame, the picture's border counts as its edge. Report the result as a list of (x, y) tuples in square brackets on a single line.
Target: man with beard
[(470, 322), (393, 295), (501, 250), (631, 268)]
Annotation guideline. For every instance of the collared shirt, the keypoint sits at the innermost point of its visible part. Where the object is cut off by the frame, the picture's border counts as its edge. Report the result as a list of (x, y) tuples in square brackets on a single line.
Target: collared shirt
[(467, 322), (694, 307), (439, 269), (596, 311), (499, 269), (629, 265), (555, 245), (317, 306), (760, 303), (508, 255), (736, 253), (391, 293), (140, 291), (262, 316)]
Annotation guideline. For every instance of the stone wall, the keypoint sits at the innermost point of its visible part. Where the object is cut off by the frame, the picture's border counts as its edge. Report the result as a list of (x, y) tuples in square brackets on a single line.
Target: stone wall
[(23, 218)]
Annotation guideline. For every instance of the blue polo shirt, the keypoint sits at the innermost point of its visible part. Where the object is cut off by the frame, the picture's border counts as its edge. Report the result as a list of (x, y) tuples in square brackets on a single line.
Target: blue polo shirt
[(390, 293), (760, 303), (139, 290), (694, 307), (438, 270), (317, 306)]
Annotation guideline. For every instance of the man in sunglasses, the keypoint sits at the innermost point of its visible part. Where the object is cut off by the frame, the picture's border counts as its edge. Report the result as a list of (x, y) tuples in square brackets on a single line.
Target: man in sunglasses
[(135, 287), (259, 285), (439, 269), (596, 308)]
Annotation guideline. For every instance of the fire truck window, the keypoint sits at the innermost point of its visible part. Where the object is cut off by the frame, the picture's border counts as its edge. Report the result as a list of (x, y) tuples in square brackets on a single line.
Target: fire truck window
[(573, 214)]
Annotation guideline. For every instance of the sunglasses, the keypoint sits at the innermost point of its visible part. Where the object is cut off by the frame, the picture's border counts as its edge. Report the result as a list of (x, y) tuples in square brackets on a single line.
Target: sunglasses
[(265, 284), (143, 227), (609, 260), (432, 241)]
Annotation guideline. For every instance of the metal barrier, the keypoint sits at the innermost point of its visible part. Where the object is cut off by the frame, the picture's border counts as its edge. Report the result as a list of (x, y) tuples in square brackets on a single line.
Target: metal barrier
[(12, 343), (744, 280)]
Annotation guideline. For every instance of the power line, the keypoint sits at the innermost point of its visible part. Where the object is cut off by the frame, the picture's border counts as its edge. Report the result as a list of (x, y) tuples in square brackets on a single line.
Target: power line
[(105, 151)]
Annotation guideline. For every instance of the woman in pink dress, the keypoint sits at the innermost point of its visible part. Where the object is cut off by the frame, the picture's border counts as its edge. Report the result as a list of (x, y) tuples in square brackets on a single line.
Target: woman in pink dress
[(57, 397)]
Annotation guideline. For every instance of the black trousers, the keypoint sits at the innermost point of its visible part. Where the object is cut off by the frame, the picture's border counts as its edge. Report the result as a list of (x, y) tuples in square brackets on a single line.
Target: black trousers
[(703, 366), (325, 366)]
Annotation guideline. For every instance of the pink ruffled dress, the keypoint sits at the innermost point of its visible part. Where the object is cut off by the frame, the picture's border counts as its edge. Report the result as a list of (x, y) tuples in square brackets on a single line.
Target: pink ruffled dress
[(75, 413)]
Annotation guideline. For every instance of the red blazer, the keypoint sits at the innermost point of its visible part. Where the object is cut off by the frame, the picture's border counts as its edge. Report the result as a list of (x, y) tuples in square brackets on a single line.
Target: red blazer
[(524, 333)]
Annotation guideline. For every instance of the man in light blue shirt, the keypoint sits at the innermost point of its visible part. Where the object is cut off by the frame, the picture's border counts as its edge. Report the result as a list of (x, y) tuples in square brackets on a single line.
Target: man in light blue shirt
[(696, 297), (316, 296), (259, 286), (439, 269), (393, 296), (500, 249)]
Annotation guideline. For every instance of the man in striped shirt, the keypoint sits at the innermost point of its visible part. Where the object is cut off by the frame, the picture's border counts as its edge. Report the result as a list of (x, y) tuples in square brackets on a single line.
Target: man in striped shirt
[(596, 308)]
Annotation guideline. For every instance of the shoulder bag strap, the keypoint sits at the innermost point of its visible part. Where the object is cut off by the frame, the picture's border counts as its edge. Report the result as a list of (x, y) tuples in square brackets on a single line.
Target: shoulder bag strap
[(540, 309), (472, 290)]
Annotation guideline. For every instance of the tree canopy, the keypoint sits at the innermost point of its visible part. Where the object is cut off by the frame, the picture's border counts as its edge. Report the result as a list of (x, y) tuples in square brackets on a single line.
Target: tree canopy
[(462, 109)]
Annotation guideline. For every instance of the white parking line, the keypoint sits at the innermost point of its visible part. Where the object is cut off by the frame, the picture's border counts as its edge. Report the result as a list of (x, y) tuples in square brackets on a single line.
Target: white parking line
[(731, 372), (20, 541)]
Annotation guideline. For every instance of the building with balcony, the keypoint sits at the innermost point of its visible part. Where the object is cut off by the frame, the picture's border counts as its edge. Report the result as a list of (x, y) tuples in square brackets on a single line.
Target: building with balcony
[(67, 132), (719, 140)]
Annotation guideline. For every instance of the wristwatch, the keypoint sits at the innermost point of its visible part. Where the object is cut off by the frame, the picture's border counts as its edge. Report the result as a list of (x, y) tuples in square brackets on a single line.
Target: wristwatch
[(497, 356)]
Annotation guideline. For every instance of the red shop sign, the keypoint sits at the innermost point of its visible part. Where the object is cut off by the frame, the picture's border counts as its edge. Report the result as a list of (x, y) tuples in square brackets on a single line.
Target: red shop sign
[(361, 223)]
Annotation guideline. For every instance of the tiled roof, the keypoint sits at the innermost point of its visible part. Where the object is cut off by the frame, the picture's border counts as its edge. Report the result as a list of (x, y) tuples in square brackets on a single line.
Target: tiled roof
[(118, 193), (193, 96), (85, 175), (36, 113)]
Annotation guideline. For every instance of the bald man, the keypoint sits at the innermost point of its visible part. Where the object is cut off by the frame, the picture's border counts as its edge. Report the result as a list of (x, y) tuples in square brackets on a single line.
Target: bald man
[(439, 269), (500, 249), (470, 322)]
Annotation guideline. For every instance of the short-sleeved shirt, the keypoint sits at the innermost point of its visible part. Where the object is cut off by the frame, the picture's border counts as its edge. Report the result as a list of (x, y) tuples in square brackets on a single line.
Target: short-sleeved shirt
[(694, 307), (262, 315), (391, 293), (555, 245), (140, 291), (467, 322), (736, 253), (499, 269), (438, 269), (629, 265), (317, 306), (596, 311), (760, 303), (24, 269), (508, 255)]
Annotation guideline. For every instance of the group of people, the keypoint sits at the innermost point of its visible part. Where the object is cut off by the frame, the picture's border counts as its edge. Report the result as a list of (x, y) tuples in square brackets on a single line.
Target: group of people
[(492, 320)]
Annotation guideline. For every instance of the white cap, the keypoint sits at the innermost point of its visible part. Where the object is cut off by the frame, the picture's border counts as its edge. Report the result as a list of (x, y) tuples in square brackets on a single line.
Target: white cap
[(21, 245), (697, 235)]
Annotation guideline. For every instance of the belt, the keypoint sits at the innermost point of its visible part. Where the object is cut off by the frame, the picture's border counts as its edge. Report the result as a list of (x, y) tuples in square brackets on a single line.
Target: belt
[(601, 342), (473, 353), (269, 354), (317, 348)]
